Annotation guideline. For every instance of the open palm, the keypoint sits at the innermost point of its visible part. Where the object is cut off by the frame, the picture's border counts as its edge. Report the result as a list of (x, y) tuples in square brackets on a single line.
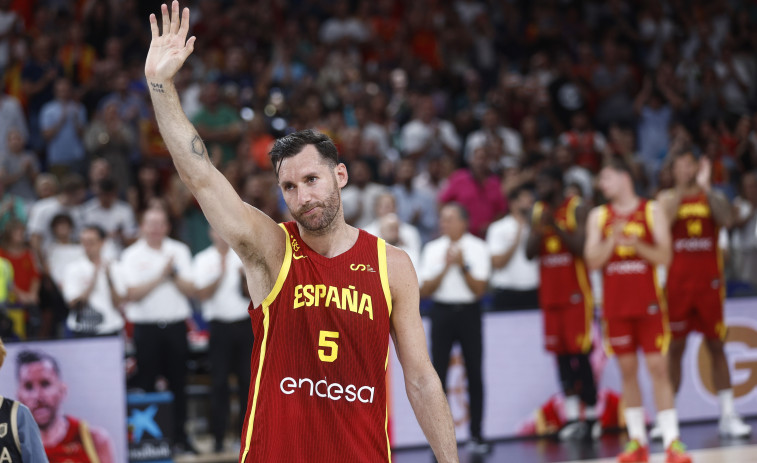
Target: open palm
[(168, 50)]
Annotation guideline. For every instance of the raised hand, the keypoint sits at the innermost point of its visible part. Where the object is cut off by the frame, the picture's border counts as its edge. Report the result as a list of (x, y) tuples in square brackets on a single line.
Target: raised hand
[(704, 175), (168, 50)]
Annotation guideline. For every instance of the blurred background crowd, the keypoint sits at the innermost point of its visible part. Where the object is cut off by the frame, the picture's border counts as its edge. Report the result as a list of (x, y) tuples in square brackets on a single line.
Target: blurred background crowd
[(428, 101)]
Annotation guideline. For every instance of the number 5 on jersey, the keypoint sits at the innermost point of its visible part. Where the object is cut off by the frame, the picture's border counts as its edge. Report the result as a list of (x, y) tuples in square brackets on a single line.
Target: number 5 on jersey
[(329, 348)]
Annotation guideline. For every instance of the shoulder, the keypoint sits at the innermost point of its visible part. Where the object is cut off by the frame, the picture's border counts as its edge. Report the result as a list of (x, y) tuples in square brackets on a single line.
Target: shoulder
[(400, 269), (205, 254), (132, 251), (175, 245), (474, 242)]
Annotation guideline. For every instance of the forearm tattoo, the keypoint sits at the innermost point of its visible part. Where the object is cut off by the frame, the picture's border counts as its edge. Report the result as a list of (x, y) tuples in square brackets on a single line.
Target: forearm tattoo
[(198, 147), (157, 88)]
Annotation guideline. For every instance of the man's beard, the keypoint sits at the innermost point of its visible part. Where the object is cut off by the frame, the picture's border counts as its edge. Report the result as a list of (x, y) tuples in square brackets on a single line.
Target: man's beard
[(320, 221)]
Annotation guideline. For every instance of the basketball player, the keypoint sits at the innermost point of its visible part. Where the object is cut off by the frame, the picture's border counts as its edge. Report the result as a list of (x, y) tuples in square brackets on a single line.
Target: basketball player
[(557, 237), (696, 284), (325, 295), (19, 437), (628, 238), (65, 438)]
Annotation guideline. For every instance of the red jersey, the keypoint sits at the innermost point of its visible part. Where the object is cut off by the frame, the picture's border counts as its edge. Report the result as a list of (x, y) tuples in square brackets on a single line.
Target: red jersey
[(24, 269), (77, 445), (696, 261), (318, 388), (564, 278), (630, 282)]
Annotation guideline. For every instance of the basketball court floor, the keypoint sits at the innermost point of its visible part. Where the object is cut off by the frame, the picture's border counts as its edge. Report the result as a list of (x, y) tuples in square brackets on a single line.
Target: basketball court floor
[(702, 439)]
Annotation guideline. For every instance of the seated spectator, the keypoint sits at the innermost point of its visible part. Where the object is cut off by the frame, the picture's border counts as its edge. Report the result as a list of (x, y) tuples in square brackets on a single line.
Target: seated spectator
[(218, 125), (515, 279), (42, 212), (478, 190), (62, 121), (360, 194), (62, 250), (26, 280), (12, 208), (19, 168), (111, 138), (396, 232), (11, 118), (89, 290), (112, 215)]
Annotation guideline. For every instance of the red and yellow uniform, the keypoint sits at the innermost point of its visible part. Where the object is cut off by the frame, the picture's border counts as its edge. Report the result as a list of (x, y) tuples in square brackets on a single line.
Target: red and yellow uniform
[(318, 389), (76, 447), (695, 287), (635, 314), (564, 293)]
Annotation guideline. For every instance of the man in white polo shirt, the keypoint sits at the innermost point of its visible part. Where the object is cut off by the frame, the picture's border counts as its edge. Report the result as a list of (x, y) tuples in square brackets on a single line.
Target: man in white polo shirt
[(454, 273), (89, 290), (157, 275), (218, 275)]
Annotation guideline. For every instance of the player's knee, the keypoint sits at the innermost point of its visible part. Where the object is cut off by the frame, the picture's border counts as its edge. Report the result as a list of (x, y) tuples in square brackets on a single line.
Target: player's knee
[(657, 368), (716, 347)]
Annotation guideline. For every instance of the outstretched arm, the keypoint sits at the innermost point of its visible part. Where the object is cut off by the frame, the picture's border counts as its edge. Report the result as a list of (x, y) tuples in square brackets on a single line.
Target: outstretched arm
[(421, 381), (252, 234)]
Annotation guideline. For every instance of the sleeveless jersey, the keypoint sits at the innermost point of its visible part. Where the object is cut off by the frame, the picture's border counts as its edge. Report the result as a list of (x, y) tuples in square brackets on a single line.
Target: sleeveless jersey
[(10, 446), (630, 282), (77, 445), (696, 261), (564, 278), (318, 387)]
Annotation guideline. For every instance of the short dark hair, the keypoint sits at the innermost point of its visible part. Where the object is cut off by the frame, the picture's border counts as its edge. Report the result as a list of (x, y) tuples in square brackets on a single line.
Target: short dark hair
[(25, 357), (619, 164), (295, 142), (95, 228), (516, 192), (60, 218), (460, 210)]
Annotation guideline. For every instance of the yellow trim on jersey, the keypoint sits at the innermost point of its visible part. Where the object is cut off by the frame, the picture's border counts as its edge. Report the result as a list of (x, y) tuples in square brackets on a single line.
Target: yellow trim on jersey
[(588, 298), (602, 217), (649, 215), (570, 216), (265, 307), (383, 274), (606, 339), (664, 310), (536, 215), (87, 442), (381, 244), (14, 423)]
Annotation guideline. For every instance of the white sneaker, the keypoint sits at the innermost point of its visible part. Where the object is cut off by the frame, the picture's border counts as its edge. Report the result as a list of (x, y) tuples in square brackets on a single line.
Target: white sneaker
[(655, 433), (572, 431), (733, 426), (596, 430)]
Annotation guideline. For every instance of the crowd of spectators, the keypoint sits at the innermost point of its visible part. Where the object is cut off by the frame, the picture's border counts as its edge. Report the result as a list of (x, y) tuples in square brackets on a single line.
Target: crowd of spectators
[(428, 101)]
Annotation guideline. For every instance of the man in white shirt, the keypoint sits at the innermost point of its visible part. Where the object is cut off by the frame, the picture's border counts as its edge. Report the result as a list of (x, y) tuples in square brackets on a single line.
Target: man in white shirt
[(389, 227), (89, 290), (156, 273), (218, 275), (491, 127), (455, 270), (42, 212), (515, 279), (426, 137), (112, 215)]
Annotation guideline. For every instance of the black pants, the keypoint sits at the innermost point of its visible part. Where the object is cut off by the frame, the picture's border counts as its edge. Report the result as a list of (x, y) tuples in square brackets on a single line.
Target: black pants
[(513, 299), (229, 351), (461, 323), (162, 351)]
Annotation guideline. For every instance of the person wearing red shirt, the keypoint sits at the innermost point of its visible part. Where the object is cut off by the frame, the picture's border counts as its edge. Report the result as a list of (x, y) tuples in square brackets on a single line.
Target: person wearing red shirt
[(26, 276)]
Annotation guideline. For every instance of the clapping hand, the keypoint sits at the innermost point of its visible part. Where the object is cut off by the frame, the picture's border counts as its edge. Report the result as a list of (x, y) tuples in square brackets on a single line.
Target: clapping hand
[(705, 174)]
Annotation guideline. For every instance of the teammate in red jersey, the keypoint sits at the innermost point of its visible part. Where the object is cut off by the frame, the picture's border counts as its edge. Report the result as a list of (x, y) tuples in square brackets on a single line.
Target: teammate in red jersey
[(557, 237), (325, 296), (696, 284), (628, 238), (66, 439)]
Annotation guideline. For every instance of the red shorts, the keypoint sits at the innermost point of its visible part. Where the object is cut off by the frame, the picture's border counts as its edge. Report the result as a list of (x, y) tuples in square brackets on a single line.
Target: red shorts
[(699, 309), (627, 335), (567, 328)]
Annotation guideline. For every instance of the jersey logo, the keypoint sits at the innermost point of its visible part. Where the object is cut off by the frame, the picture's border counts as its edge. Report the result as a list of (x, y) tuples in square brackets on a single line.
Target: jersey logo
[(299, 257), (296, 248), (3, 429), (553, 245), (361, 268), (694, 227)]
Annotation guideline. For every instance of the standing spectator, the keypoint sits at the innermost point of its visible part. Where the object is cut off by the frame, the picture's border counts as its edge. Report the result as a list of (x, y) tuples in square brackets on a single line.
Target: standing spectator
[(454, 273), (19, 168), (42, 212), (614, 84), (12, 208), (11, 118), (62, 250), (396, 232), (515, 279), (89, 290), (491, 127), (112, 215), (415, 206), (156, 278), (38, 77), (745, 231), (62, 122), (130, 108), (218, 275), (426, 136), (478, 190), (110, 137), (10, 25), (218, 124), (588, 145), (26, 279), (359, 196)]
